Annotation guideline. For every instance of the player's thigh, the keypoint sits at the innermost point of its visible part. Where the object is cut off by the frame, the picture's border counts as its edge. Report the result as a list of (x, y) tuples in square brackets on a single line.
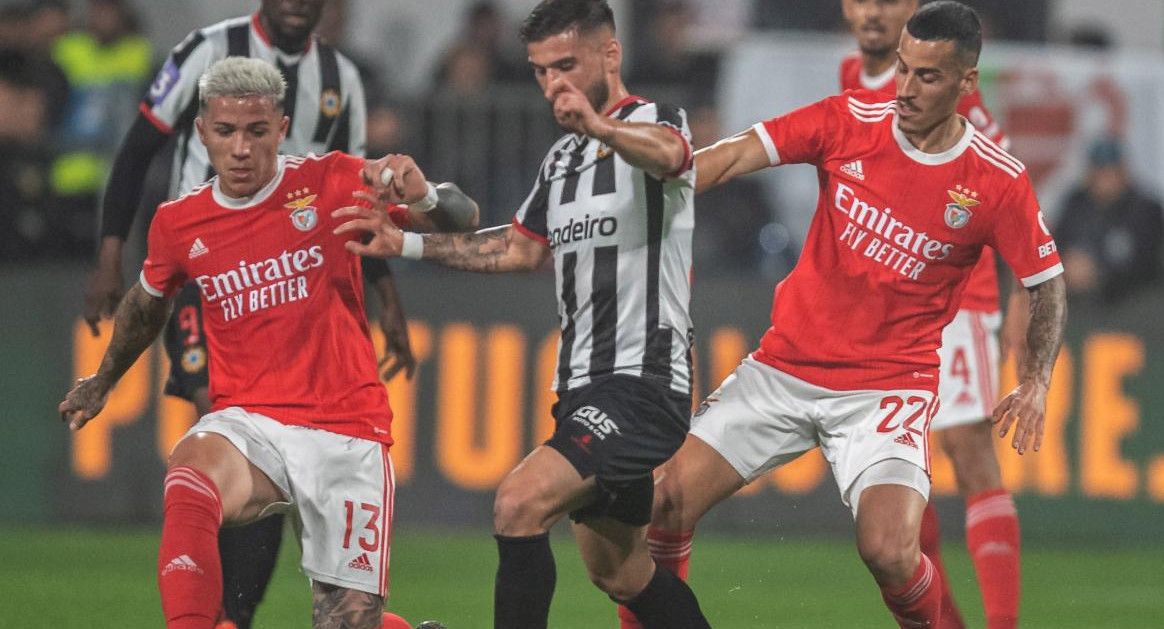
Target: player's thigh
[(336, 607), (757, 420), (970, 448), (696, 479), (542, 488), (968, 387), (244, 489), (859, 429)]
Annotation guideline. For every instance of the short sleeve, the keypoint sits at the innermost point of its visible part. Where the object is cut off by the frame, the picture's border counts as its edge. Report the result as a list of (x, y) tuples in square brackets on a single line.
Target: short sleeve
[(1022, 237), (532, 218), (176, 85), (674, 119), (803, 136), (162, 273)]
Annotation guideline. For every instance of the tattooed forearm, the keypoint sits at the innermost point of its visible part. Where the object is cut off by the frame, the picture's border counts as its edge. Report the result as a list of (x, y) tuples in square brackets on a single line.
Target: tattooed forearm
[(1045, 330), (138, 321), (487, 251), (335, 607)]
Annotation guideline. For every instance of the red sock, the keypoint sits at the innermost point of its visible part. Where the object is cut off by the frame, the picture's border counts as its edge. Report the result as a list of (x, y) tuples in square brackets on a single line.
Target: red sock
[(931, 537), (669, 550), (189, 569), (918, 603), (992, 536)]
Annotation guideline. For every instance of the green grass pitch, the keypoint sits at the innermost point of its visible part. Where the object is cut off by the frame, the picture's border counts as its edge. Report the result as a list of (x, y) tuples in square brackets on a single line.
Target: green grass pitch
[(66, 578)]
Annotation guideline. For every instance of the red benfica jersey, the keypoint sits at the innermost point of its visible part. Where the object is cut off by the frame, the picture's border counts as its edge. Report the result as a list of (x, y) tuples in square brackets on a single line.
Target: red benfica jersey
[(982, 291), (892, 244), (283, 301)]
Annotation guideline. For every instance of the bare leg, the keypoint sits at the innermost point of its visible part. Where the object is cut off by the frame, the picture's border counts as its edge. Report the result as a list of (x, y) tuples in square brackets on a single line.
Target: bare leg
[(335, 607), (686, 487)]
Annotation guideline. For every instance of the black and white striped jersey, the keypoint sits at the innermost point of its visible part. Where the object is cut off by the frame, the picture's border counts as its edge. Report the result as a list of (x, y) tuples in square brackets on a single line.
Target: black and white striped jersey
[(621, 241), (325, 97)]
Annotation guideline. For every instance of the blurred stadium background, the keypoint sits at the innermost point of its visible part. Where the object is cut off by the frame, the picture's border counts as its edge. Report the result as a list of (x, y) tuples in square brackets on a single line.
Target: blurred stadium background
[(447, 84)]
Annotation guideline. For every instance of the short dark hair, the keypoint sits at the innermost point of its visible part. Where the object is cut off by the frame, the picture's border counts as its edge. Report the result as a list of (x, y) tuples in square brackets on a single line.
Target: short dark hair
[(949, 21), (551, 17)]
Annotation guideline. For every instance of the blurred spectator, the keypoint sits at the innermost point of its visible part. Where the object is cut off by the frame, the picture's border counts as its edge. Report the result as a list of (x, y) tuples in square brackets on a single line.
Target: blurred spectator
[(737, 232), (669, 56), (24, 164), (29, 28), (107, 65), (1110, 233), (478, 58)]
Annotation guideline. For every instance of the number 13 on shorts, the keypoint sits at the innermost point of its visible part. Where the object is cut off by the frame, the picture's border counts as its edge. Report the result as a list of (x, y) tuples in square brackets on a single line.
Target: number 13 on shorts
[(369, 535)]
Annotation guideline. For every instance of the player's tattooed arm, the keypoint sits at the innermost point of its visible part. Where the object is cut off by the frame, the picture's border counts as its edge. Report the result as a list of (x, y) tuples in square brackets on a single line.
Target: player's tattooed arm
[(335, 607), (495, 250), (729, 158), (1025, 407), (139, 319)]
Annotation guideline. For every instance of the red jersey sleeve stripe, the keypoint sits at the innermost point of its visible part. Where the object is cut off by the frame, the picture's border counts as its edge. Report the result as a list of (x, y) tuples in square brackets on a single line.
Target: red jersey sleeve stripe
[(530, 234), (145, 284), (688, 157), (769, 145), (154, 120), (1042, 276)]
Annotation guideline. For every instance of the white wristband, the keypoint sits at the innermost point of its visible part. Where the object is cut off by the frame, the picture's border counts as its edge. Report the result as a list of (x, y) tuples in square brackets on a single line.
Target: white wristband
[(429, 201), (413, 246)]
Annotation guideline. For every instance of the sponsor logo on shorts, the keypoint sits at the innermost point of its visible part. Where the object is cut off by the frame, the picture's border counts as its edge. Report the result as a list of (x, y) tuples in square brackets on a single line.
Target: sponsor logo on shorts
[(194, 359), (181, 563), (583, 442), (361, 563), (597, 422), (906, 439)]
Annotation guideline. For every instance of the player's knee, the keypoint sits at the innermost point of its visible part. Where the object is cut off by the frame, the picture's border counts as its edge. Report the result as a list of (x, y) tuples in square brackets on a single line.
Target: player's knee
[(619, 584), (667, 511), (889, 555), (517, 511)]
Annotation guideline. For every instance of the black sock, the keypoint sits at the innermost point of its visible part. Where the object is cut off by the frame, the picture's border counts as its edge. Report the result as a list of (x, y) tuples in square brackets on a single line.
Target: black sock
[(248, 560), (525, 582), (668, 603)]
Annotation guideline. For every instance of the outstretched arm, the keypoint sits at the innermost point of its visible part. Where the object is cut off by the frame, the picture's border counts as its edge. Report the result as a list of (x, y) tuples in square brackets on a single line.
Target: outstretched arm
[(1025, 407), (139, 319), (729, 158)]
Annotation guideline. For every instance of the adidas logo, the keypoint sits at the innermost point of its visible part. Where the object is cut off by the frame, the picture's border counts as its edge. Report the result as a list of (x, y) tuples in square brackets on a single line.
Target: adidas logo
[(361, 563), (198, 249), (964, 399), (856, 170), (181, 563), (906, 439)]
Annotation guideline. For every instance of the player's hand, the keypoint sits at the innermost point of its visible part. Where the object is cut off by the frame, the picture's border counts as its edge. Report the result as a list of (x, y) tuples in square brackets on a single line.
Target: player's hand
[(387, 239), (83, 402), (397, 349), (103, 291), (573, 111), (1025, 409), (404, 184)]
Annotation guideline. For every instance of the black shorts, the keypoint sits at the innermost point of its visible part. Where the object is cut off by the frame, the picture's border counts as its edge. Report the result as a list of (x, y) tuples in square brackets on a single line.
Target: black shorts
[(619, 429), (185, 342)]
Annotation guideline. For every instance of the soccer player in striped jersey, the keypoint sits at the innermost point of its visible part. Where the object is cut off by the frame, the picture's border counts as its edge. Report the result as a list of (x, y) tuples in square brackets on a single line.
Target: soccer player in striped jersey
[(612, 203), (969, 353), (326, 106), (850, 363)]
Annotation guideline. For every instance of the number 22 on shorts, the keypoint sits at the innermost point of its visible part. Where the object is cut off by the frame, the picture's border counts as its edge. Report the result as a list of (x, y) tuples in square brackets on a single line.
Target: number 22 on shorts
[(895, 405), (372, 525)]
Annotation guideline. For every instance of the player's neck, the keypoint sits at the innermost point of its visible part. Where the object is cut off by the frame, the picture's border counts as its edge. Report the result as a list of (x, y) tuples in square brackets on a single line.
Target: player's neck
[(940, 138), (618, 93), (286, 44), (877, 64)]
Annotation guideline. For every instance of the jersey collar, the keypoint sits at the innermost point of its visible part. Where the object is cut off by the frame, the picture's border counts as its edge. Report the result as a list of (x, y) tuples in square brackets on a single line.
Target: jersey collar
[(876, 82), (623, 103), (249, 202), (933, 159)]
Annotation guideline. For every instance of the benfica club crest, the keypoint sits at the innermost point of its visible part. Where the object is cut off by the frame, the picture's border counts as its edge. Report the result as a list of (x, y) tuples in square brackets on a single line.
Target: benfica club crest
[(958, 213), (303, 215)]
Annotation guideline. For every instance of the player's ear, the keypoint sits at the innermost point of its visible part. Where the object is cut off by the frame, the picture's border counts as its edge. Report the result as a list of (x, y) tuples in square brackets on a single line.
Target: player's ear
[(283, 127), (201, 128), (612, 55), (969, 82)]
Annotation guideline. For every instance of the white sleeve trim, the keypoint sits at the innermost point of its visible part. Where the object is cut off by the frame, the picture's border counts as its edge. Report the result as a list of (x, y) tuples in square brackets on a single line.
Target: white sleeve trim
[(1042, 276), (769, 146), (150, 289)]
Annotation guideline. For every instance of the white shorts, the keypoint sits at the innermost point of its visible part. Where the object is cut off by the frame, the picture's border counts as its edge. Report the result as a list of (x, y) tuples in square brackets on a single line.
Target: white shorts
[(340, 488), (761, 418), (968, 387)]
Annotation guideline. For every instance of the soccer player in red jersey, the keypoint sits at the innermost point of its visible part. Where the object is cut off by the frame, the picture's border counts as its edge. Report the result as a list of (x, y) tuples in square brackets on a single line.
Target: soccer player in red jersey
[(910, 195), (969, 353), (300, 418)]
